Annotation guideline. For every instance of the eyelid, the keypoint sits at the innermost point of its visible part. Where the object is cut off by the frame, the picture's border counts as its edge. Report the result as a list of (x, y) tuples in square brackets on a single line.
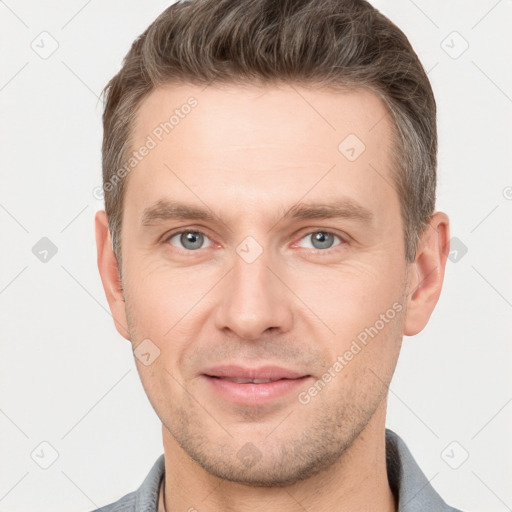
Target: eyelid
[(344, 238), (184, 229), (167, 237)]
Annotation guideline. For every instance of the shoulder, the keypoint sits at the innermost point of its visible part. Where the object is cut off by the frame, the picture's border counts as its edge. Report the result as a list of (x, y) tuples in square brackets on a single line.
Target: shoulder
[(412, 489), (127, 503), (145, 498)]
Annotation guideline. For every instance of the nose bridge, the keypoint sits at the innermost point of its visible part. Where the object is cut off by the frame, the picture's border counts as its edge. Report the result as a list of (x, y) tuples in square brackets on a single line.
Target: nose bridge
[(253, 299)]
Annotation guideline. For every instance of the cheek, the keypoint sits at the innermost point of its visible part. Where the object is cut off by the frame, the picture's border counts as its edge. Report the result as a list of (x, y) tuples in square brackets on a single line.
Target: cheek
[(349, 297), (362, 357), (164, 298), (169, 307)]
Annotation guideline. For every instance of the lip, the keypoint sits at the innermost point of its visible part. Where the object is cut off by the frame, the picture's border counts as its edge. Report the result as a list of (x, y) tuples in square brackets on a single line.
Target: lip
[(268, 372), (222, 380)]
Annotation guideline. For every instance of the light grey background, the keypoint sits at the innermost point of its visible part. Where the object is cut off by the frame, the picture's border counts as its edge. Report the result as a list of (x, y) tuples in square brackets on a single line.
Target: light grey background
[(67, 377)]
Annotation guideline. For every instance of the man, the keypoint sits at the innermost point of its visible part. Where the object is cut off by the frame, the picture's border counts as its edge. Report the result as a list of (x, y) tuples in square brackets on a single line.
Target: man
[(269, 236)]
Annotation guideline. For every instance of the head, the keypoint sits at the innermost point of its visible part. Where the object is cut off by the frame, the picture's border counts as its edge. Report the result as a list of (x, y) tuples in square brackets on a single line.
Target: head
[(280, 215)]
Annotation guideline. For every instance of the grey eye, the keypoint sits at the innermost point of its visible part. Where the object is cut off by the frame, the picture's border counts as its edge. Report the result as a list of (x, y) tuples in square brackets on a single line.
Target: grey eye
[(320, 240), (190, 240)]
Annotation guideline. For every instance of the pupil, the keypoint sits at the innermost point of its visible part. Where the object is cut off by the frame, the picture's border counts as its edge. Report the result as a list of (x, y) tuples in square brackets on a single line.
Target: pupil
[(191, 240), (322, 240)]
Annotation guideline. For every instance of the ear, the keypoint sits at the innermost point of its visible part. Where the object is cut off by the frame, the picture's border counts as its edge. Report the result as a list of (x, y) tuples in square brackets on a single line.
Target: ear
[(109, 272), (426, 273)]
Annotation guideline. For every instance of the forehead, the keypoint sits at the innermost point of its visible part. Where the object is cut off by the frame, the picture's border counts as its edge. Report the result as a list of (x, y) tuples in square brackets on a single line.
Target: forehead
[(255, 113), (267, 143)]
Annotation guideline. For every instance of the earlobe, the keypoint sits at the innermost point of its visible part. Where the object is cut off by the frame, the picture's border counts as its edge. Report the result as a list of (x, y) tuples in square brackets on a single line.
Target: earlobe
[(426, 273), (109, 272)]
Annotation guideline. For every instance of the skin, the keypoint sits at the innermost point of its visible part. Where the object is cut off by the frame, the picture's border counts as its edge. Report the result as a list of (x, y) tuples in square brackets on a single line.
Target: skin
[(248, 154)]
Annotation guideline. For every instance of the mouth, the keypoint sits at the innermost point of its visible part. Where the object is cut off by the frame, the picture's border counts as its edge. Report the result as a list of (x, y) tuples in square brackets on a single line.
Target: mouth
[(253, 386), (245, 381)]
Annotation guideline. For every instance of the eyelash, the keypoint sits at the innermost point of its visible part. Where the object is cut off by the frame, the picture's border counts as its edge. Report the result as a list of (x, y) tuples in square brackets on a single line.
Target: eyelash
[(343, 241)]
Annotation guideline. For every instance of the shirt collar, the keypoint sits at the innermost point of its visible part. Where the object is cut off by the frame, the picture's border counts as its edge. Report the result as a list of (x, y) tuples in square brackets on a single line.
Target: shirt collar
[(412, 490)]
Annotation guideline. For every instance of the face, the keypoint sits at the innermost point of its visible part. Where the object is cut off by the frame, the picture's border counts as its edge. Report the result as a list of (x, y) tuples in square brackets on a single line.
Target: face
[(263, 258)]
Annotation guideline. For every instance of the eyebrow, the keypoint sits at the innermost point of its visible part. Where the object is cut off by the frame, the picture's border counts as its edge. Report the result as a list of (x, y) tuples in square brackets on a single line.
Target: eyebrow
[(164, 210), (342, 208)]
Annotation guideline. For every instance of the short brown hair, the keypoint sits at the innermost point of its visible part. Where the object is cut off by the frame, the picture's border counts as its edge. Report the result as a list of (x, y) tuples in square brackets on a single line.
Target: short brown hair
[(342, 44)]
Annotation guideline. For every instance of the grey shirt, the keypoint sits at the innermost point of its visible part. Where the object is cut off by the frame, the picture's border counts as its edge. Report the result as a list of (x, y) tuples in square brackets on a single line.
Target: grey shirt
[(411, 488)]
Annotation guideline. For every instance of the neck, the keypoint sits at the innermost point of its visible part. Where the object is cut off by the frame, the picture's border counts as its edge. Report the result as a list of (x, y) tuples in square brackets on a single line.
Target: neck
[(356, 482)]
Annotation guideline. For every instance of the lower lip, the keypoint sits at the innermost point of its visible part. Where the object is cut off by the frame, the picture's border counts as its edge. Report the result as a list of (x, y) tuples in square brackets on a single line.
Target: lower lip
[(255, 394)]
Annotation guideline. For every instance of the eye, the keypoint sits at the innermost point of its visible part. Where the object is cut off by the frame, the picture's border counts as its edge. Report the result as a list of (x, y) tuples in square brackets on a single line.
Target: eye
[(189, 240), (320, 240)]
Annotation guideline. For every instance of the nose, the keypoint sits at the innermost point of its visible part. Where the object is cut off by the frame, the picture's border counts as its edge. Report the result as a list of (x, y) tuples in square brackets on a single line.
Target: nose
[(255, 301)]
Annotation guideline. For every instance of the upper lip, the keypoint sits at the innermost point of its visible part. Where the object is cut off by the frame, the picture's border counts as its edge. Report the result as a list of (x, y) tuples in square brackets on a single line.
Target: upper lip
[(259, 373)]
